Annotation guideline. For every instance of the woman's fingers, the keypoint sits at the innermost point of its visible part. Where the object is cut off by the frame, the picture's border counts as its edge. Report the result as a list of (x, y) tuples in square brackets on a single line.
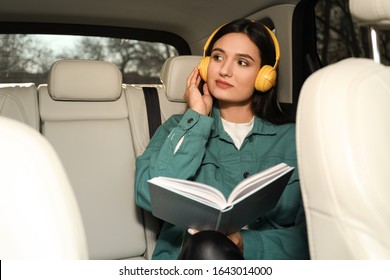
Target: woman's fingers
[(192, 84), (192, 231), (193, 78), (194, 98)]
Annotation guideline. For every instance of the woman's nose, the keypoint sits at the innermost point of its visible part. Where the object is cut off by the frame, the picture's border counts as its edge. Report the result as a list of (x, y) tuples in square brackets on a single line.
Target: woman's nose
[(226, 69)]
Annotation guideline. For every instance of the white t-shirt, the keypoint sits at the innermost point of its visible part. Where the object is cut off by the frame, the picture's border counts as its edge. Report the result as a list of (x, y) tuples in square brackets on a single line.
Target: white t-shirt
[(237, 131)]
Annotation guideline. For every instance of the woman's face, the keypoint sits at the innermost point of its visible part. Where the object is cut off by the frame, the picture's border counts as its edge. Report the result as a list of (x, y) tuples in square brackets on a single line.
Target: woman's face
[(234, 65)]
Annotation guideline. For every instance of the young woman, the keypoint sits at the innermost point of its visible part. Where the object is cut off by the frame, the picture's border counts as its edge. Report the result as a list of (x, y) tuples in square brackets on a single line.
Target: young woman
[(233, 128)]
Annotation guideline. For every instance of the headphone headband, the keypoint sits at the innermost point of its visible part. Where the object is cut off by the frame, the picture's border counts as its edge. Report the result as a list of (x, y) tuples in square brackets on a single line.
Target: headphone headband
[(206, 45), (276, 44)]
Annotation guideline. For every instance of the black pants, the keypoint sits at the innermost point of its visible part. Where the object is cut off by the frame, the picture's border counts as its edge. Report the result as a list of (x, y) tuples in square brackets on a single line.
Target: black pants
[(210, 245)]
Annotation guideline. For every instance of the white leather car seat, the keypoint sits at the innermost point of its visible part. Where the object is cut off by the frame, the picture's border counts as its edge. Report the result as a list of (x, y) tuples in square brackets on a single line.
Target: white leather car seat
[(173, 76), (85, 117), (20, 102), (343, 136), (39, 215)]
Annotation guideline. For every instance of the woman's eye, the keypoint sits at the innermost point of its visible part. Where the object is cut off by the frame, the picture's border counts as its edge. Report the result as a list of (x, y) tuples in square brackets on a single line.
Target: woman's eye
[(242, 63), (217, 57)]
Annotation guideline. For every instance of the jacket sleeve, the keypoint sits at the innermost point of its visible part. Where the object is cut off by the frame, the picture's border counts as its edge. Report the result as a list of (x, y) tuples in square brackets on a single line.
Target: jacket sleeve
[(278, 242), (163, 158)]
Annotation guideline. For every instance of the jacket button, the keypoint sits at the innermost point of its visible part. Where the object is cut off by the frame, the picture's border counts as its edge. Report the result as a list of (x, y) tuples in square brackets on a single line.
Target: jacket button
[(246, 174), (190, 120)]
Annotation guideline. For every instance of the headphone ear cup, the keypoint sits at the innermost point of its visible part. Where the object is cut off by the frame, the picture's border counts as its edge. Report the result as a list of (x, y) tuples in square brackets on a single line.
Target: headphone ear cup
[(203, 66), (266, 78)]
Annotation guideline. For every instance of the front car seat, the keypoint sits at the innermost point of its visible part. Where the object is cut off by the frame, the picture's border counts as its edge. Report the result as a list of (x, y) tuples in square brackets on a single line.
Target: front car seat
[(39, 215), (343, 145)]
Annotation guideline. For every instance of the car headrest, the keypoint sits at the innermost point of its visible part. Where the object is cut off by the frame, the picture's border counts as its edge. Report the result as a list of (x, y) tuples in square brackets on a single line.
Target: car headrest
[(370, 12), (174, 75), (84, 80)]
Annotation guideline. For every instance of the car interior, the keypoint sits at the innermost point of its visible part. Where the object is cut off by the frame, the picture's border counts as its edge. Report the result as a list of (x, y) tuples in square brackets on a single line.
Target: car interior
[(69, 142)]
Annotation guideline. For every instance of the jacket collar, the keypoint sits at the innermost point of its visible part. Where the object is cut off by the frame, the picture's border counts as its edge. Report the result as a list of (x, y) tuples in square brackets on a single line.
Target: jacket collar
[(260, 126)]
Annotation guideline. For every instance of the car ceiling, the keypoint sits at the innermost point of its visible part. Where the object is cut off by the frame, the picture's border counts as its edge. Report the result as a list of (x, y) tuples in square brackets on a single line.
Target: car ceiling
[(192, 20)]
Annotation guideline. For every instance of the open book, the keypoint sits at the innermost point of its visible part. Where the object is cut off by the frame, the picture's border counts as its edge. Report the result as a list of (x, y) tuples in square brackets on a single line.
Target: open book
[(190, 204)]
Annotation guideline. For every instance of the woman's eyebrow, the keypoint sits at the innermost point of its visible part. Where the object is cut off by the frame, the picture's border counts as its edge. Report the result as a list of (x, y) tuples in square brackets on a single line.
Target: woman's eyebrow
[(244, 55), (218, 50)]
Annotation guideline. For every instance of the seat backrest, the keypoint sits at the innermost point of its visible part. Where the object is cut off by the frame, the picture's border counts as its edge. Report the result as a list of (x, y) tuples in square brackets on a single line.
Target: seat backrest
[(20, 102), (85, 117), (343, 136), (39, 215)]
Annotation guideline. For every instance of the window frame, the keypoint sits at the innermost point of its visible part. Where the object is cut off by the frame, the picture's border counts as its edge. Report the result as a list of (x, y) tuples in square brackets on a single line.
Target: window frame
[(148, 35)]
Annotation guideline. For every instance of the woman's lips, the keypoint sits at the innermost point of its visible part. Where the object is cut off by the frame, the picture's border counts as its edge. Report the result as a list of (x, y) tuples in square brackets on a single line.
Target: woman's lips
[(223, 84)]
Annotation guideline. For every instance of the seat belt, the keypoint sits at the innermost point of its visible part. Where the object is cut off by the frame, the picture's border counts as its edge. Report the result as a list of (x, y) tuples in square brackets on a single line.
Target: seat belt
[(152, 109)]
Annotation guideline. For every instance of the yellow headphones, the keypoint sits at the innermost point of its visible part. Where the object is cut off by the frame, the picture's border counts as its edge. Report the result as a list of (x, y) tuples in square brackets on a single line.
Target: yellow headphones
[(266, 78)]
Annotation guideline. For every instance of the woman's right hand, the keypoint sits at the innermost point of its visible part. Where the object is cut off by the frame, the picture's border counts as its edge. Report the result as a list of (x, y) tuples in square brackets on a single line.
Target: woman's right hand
[(195, 100)]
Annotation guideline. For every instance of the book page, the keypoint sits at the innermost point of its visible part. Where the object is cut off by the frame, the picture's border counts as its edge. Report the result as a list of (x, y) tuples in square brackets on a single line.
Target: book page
[(195, 190), (257, 181)]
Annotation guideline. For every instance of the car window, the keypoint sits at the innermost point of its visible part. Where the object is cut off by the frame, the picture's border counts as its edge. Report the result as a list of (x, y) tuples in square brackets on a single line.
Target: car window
[(28, 58), (338, 37)]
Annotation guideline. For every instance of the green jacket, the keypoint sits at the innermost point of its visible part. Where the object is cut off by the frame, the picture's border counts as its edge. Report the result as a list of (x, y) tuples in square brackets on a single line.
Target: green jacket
[(207, 154)]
